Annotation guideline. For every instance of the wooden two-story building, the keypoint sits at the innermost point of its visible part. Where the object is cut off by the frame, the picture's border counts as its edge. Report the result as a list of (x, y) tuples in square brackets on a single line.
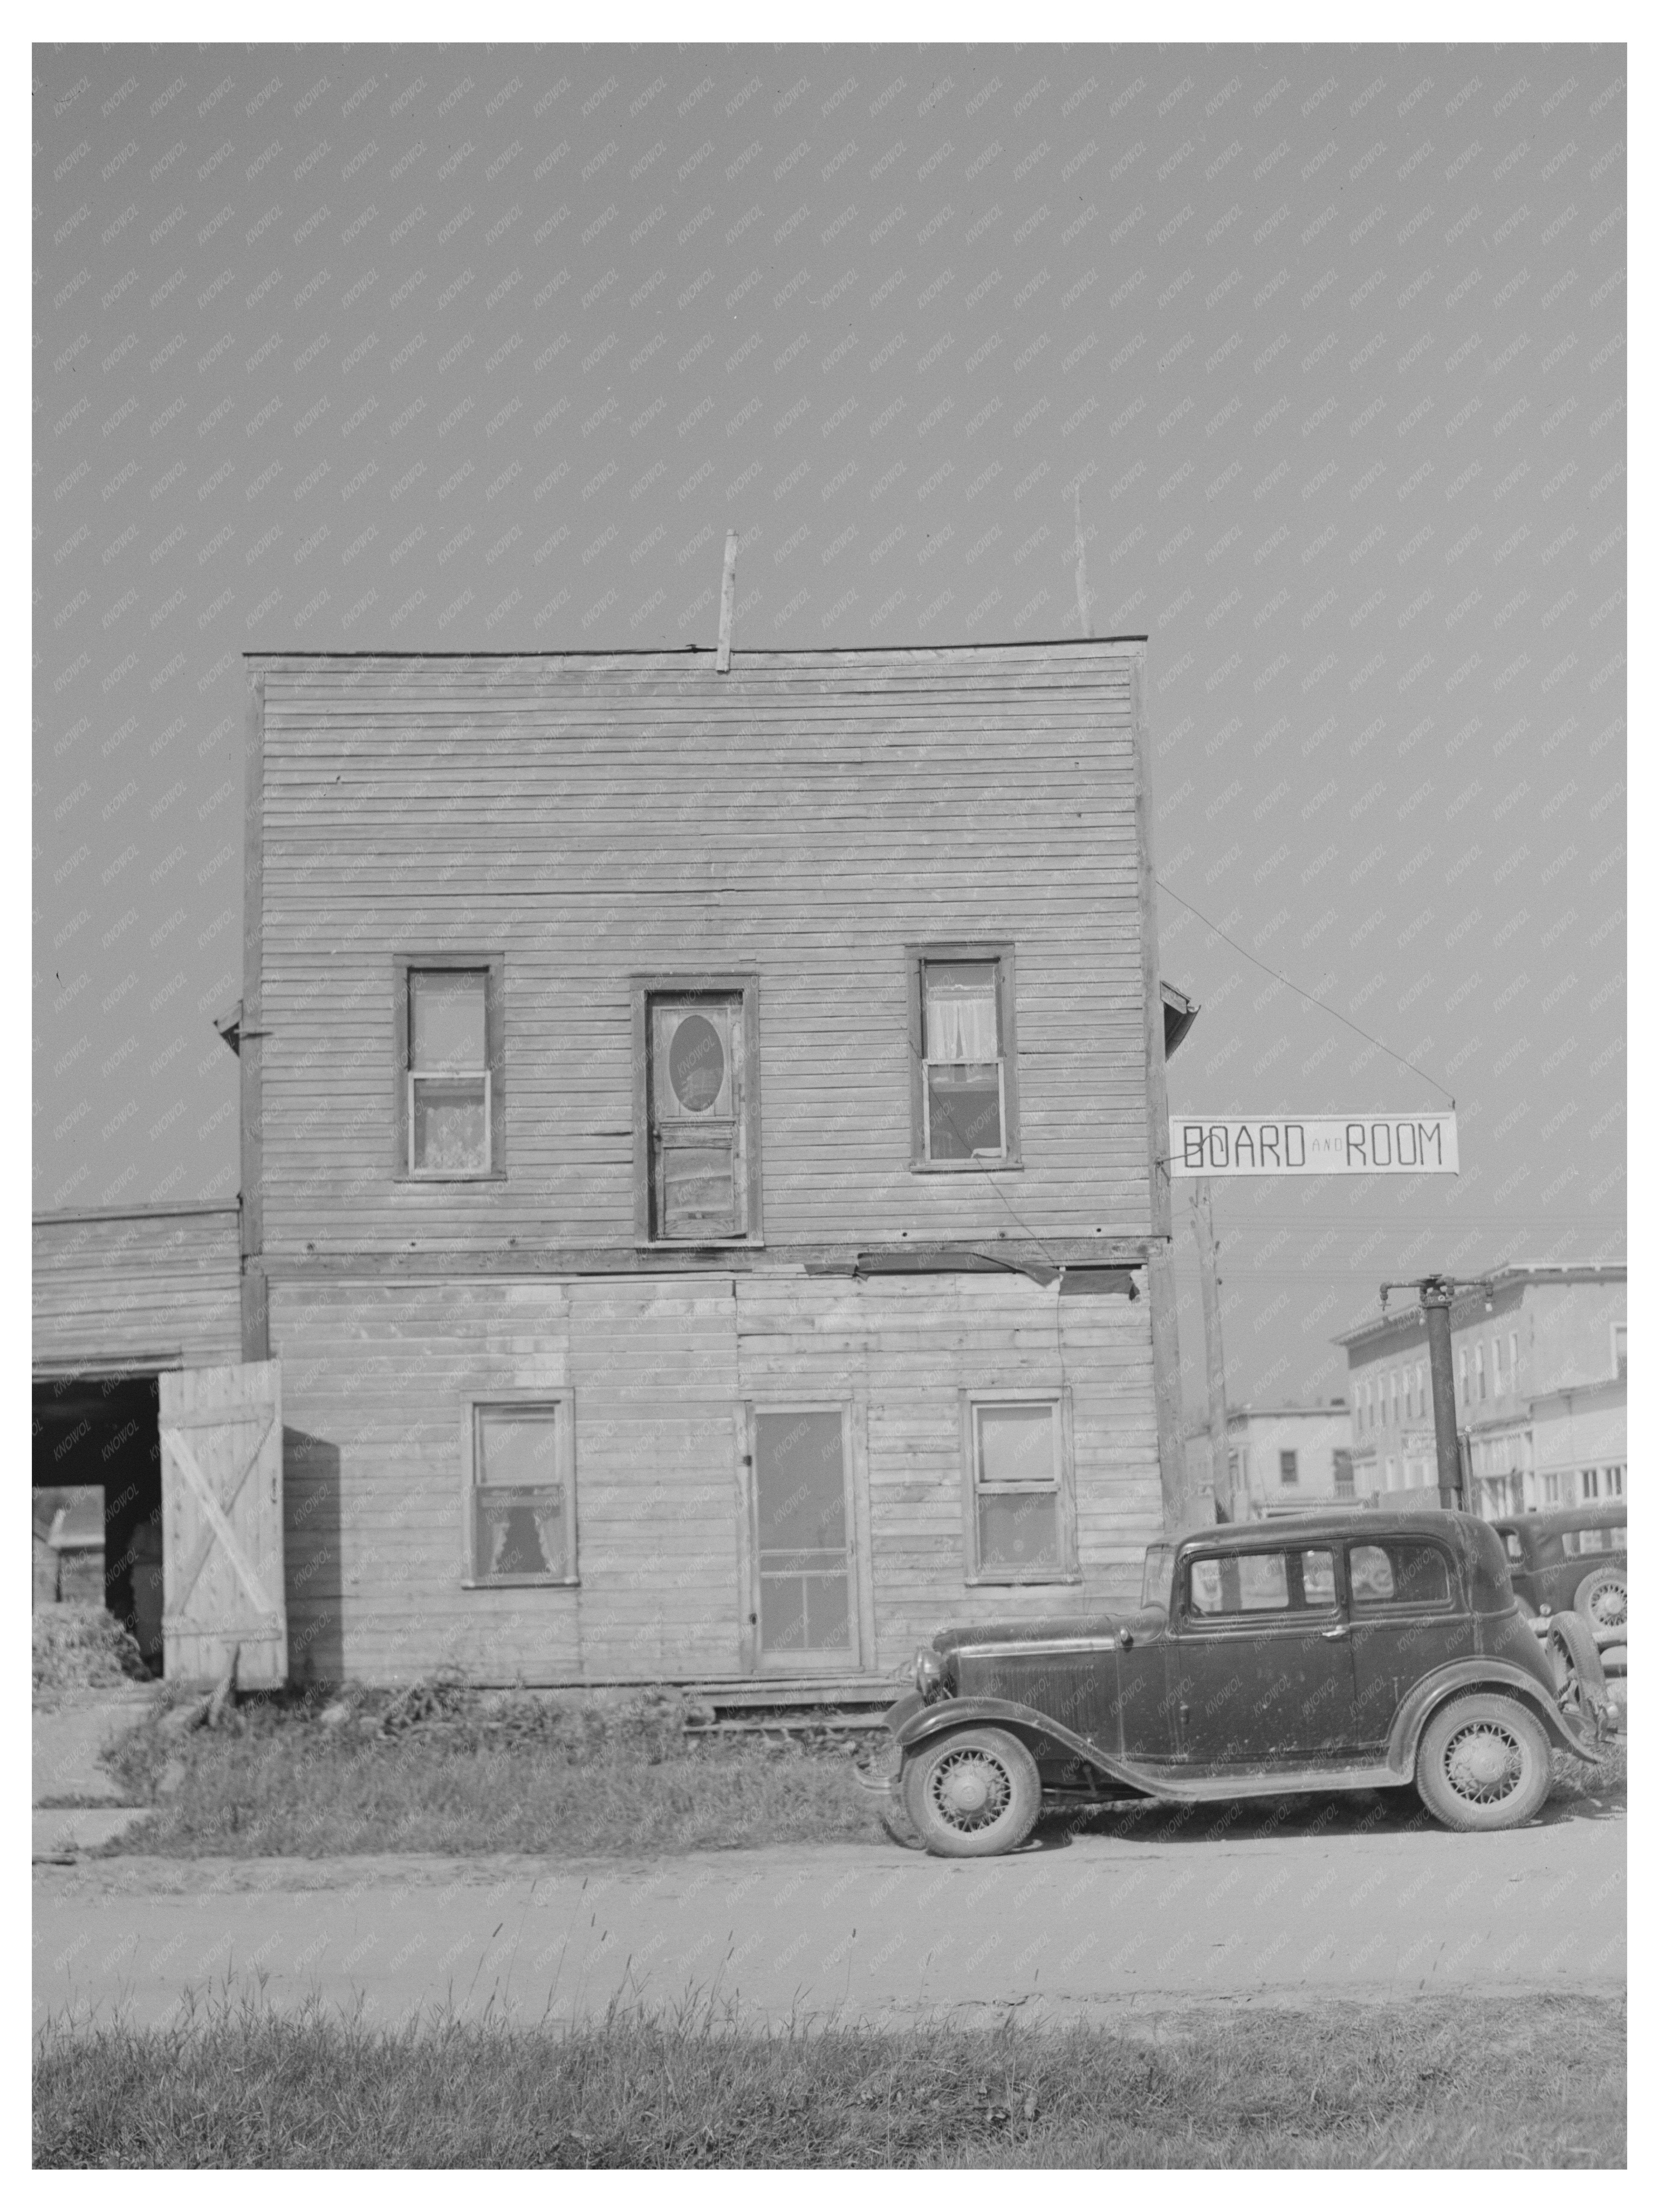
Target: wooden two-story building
[(701, 1128)]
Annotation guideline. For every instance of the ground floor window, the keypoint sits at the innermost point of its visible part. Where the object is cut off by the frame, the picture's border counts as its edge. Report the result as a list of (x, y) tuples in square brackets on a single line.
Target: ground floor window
[(520, 1490), (1020, 1522)]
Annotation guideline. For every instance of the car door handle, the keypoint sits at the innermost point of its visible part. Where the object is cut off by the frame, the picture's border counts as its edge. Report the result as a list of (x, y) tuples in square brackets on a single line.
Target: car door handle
[(1332, 1635)]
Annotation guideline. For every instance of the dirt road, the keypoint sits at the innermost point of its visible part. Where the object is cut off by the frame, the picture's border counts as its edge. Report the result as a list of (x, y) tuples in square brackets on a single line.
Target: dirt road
[(1088, 1925)]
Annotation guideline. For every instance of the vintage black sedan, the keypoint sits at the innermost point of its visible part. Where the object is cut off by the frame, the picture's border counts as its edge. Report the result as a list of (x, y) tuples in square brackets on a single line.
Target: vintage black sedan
[(1334, 1652)]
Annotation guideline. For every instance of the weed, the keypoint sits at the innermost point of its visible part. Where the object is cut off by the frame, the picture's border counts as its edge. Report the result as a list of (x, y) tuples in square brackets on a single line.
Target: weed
[(1470, 2081)]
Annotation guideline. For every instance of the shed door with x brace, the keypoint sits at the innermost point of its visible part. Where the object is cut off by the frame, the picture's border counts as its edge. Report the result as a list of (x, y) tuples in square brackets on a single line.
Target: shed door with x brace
[(222, 1524)]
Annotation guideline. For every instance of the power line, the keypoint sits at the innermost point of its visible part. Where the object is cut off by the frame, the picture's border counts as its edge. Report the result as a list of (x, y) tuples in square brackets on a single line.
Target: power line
[(1308, 995)]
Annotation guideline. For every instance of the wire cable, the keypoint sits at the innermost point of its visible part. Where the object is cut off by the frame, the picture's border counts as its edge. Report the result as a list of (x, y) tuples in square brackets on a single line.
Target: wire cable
[(1308, 995)]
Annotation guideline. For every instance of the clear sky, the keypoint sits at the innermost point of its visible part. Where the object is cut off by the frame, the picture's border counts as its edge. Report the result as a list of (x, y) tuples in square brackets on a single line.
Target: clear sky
[(470, 348)]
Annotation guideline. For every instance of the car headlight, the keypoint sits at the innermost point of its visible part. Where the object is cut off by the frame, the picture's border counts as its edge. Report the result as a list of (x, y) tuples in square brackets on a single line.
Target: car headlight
[(929, 1672)]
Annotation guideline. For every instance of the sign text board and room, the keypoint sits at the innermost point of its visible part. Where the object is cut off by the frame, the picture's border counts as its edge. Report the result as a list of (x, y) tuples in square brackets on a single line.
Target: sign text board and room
[(1313, 1144)]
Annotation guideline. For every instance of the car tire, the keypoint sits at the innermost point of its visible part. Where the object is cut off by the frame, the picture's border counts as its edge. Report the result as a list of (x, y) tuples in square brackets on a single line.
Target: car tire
[(1483, 1762), (1602, 1600), (1581, 1681), (972, 1794)]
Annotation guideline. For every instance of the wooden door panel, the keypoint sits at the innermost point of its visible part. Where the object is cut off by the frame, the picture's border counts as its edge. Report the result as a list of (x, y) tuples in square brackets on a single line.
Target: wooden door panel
[(222, 1515)]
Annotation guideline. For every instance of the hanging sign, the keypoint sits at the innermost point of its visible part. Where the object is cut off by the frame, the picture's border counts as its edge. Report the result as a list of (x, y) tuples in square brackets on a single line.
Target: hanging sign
[(1313, 1144)]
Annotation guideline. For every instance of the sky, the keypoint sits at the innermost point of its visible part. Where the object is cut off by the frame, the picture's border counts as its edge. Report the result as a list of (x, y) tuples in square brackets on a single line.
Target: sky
[(471, 348)]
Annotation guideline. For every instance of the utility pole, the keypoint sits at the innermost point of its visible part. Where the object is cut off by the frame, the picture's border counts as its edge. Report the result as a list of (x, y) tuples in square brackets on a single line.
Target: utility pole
[(1215, 1362), (1435, 1294)]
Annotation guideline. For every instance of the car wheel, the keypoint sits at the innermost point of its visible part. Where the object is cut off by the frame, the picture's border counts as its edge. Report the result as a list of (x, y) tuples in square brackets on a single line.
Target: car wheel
[(973, 1792), (1581, 1681), (1483, 1762), (1603, 1600)]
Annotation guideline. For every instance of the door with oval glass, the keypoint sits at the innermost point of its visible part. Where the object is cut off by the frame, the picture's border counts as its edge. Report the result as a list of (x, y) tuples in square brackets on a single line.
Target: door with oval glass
[(803, 1599), (698, 1172)]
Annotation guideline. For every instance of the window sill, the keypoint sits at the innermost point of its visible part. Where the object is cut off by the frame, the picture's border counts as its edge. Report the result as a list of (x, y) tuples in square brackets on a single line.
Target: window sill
[(521, 1582), (425, 1181), (700, 1244), (1070, 1579), (1012, 1162)]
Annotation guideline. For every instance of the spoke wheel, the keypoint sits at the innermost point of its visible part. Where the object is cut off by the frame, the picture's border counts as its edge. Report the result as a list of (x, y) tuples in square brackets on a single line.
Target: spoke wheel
[(973, 1792), (1603, 1600), (1483, 1762)]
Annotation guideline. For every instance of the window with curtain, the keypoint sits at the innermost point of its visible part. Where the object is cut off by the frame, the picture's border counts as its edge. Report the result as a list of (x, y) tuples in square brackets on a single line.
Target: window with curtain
[(963, 1059), (965, 1110), (522, 1506), (451, 1107)]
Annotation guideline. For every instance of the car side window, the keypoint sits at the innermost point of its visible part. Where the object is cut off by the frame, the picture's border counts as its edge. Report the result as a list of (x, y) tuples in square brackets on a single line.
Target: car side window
[(1513, 1548), (1260, 1582), (1398, 1574), (1318, 1578)]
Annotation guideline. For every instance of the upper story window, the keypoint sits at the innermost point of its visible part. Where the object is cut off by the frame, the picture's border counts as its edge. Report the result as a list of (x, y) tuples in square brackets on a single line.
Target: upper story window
[(1479, 1370), (695, 1112), (450, 1108), (1620, 1349), (965, 1107)]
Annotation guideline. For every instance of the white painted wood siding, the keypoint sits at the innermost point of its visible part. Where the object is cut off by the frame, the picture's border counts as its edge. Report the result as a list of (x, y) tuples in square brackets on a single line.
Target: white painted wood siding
[(805, 815), (121, 1290)]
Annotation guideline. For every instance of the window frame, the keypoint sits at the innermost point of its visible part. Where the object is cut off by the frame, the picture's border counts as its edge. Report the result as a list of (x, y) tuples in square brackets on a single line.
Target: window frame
[(1387, 1609), (1289, 1474), (1253, 1619), (999, 950), (1067, 1569), (473, 1403), (494, 967), (742, 984)]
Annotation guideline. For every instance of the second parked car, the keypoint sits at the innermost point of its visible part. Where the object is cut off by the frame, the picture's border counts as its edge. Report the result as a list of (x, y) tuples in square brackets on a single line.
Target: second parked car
[(1576, 1559)]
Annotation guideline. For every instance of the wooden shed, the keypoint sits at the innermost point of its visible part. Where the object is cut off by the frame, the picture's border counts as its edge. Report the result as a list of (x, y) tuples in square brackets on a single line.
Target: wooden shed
[(701, 1129), (123, 1296)]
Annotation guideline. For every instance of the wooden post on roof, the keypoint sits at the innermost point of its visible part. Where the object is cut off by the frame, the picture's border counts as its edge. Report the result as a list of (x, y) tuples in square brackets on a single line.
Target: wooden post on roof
[(1084, 623), (728, 591)]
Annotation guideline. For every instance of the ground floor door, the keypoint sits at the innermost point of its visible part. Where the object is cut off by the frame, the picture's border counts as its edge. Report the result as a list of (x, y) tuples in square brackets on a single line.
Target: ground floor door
[(222, 1515), (98, 1498), (803, 1611)]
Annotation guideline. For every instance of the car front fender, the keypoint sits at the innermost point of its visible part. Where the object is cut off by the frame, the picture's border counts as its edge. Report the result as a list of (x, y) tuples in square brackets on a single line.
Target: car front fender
[(920, 1725), (1421, 1700)]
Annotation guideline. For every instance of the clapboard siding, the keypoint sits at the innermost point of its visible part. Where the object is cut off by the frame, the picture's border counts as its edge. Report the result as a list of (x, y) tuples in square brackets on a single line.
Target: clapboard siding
[(375, 1380), (375, 1375), (114, 1290), (804, 817)]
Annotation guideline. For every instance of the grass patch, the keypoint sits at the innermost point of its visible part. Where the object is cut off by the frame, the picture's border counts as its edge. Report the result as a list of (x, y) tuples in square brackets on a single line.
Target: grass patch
[(450, 1773), (1472, 2082), (441, 1769)]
